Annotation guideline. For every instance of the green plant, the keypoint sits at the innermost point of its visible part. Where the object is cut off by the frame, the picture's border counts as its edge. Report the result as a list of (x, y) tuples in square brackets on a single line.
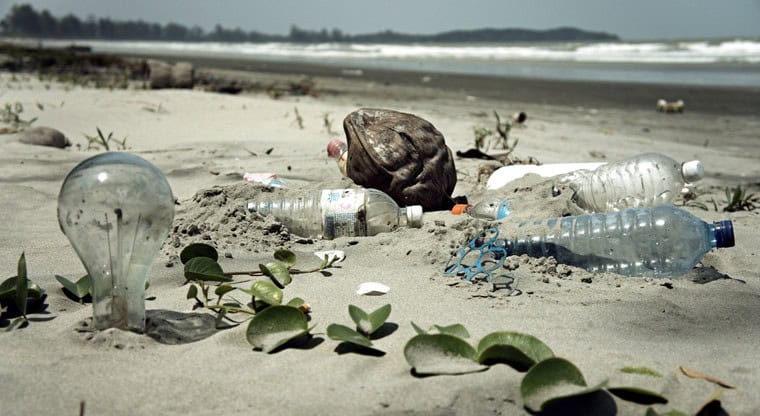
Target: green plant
[(267, 330), (548, 380), (20, 296), (328, 122), (82, 288), (366, 325), (737, 199), (498, 138), (105, 141), (11, 115), (691, 199)]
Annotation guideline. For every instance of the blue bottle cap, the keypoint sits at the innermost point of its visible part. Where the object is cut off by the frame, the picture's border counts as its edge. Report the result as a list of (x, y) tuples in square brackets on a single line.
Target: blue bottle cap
[(724, 233), (503, 210)]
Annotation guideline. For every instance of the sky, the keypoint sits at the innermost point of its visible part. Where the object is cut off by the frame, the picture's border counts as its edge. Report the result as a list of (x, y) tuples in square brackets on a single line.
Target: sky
[(629, 19)]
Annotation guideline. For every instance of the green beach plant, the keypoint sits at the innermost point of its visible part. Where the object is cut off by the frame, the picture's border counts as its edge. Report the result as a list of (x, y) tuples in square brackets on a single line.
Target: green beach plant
[(737, 199), (102, 141), (366, 325), (19, 296), (11, 115), (549, 380)]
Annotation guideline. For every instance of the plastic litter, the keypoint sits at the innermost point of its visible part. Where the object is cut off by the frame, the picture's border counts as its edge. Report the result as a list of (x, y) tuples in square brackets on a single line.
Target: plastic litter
[(372, 289), (480, 258), (339, 150), (267, 179), (504, 175), (491, 207), (332, 213), (647, 179), (661, 241)]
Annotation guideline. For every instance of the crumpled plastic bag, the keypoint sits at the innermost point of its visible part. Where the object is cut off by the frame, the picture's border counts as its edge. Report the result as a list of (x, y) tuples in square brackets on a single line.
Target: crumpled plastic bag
[(402, 155)]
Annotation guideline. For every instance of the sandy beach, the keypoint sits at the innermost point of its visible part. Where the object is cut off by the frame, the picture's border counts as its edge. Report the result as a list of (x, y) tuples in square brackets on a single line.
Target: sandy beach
[(706, 320)]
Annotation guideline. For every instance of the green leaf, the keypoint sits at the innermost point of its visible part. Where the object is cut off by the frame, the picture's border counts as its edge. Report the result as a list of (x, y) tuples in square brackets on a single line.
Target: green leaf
[(21, 285), (285, 256), (222, 289), (266, 292), (441, 354), (418, 330), (198, 250), (377, 319), (343, 333), (296, 302), (457, 330), (519, 351), (274, 326), (277, 272), (192, 292), (360, 318), (638, 395), (205, 269), (644, 371), (80, 289), (550, 380)]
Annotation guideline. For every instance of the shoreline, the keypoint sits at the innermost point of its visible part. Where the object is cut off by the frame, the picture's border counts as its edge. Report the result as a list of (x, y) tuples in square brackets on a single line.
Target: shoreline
[(722, 100)]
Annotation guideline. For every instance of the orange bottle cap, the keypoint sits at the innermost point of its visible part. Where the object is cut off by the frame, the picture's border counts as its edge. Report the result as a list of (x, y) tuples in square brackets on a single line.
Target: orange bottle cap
[(458, 209)]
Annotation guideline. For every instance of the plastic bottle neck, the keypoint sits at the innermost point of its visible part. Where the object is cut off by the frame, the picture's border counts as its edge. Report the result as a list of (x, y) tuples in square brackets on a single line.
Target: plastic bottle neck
[(722, 234)]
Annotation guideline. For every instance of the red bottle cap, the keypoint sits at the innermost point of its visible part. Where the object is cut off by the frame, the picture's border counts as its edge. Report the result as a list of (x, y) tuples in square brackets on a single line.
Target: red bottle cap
[(335, 148)]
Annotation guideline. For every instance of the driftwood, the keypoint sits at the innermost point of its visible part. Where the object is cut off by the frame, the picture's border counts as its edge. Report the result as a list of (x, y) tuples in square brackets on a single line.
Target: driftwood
[(400, 154)]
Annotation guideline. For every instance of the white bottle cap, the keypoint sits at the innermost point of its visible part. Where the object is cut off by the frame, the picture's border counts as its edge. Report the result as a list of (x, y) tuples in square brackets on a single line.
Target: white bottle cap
[(414, 216), (692, 171)]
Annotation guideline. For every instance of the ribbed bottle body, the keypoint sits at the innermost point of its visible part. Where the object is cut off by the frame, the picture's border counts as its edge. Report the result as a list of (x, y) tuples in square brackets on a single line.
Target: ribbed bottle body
[(332, 213), (659, 241), (645, 180)]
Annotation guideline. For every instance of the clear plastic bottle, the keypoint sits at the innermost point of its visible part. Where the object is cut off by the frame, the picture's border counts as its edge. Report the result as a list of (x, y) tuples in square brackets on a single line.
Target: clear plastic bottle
[(339, 150), (331, 213), (647, 179), (492, 207), (661, 241)]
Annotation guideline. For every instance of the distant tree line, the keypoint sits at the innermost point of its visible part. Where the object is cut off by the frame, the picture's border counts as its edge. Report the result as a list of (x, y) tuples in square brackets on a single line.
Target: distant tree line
[(24, 20)]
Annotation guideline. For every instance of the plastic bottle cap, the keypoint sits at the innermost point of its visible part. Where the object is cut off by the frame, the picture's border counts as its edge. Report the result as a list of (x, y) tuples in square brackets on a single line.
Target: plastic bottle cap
[(724, 233), (335, 148), (459, 209), (414, 216), (692, 170)]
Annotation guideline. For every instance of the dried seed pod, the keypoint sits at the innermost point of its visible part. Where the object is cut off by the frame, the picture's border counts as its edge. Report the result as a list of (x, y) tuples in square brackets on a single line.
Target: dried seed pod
[(402, 155)]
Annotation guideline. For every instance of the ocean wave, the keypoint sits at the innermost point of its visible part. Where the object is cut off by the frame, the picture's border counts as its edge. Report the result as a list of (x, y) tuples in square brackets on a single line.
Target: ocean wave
[(697, 52)]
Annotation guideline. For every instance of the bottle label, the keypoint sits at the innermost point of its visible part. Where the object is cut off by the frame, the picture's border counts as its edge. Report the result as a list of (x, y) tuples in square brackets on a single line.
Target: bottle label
[(343, 213)]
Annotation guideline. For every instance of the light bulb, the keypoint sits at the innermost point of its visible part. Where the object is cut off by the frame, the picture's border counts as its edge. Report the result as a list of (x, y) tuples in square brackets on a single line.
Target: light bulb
[(116, 209)]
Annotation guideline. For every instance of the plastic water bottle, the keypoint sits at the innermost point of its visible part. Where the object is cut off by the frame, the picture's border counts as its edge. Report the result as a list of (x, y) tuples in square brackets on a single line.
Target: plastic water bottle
[(661, 241), (331, 213), (648, 179), (339, 150), (491, 207)]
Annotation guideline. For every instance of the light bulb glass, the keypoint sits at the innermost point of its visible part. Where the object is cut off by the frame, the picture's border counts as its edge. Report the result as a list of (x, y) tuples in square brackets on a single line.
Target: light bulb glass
[(116, 209)]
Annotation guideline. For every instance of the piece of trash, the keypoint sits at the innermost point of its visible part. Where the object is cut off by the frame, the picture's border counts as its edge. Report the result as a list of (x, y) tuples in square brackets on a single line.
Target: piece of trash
[(623, 243), (372, 289), (519, 117), (352, 212), (267, 179), (333, 256), (491, 207), (481, 257), (670, 106), (695, 374), (647, 179), (504, 175)]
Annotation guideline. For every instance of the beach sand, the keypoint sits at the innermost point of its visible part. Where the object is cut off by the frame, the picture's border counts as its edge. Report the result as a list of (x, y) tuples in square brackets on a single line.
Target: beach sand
[(706, 320)]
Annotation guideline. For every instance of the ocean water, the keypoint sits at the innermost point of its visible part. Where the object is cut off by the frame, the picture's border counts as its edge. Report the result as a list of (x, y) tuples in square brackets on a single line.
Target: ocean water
[(733, 62)]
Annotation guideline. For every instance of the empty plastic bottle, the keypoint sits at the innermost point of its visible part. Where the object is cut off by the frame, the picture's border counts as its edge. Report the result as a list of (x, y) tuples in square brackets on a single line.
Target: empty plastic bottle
[(648, 179), (661, 241), (339, 150), (491, 207), (332, 213)]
